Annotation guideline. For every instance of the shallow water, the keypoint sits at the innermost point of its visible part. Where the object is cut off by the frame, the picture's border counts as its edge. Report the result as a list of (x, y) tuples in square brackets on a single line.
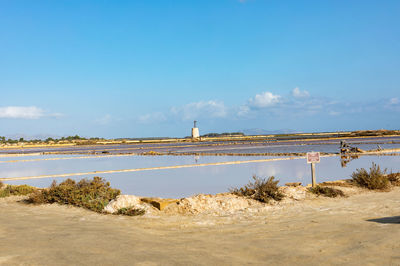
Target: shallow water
[(184, 182), (283, 148)]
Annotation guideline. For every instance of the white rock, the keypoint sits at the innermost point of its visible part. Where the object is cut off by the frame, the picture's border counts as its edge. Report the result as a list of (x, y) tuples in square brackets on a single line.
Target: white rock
[(123, 201)]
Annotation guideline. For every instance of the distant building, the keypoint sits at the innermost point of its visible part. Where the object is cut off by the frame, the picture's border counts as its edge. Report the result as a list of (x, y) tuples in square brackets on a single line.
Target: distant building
[(195, 131)]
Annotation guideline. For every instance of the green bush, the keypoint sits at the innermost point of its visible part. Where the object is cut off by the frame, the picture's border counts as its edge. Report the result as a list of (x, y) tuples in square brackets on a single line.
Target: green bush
[(131, 211), (12, 190), (327, 191), (375, 179), (261, 189), (90, 194)]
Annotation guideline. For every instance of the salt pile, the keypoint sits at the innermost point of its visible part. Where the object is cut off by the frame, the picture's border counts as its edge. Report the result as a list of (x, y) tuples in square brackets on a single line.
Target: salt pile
[(126, 201)]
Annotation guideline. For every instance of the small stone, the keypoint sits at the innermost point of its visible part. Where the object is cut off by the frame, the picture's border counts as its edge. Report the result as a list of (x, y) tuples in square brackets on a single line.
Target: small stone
[(159, 203)]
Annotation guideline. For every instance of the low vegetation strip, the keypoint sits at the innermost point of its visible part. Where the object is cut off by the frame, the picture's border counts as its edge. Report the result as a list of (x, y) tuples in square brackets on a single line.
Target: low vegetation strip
[(69, 158), (20, 154)]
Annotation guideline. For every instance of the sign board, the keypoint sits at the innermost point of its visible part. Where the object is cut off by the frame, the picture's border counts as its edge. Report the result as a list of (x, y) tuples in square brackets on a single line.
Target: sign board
[(313, 157)]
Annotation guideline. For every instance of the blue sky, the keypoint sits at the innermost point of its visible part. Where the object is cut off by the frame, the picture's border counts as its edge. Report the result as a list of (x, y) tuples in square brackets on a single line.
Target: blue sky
[(149, 68)]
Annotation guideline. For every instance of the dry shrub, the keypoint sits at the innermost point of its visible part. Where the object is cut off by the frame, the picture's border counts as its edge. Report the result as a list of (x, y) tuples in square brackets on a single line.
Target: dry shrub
[(12, 190), (1, 184), (261, 189), (131, 211), (394, 179), (375, 179), (327, 191), (90, 194)]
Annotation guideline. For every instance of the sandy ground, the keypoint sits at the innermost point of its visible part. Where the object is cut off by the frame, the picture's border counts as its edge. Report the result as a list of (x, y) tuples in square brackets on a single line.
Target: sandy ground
[(363, 229)]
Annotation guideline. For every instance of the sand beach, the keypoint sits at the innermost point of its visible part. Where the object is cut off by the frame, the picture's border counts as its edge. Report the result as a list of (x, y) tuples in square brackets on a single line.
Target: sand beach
[(362, 229)]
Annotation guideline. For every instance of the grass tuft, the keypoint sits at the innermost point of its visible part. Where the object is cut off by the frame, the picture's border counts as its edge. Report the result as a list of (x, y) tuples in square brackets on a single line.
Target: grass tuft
[(131, 211), (261, 189), (327, 191), (375, 179), (90, 194)]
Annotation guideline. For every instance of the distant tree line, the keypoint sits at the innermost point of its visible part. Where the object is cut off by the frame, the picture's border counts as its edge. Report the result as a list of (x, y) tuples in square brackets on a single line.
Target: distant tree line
[(4, 140), (225, 134)]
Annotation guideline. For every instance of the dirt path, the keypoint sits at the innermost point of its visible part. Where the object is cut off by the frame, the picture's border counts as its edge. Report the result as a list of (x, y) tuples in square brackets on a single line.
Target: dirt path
[(313, 232)]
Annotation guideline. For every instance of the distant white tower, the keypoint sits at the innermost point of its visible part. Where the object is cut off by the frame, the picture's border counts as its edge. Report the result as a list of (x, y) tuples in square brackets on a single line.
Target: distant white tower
[(195, 131)]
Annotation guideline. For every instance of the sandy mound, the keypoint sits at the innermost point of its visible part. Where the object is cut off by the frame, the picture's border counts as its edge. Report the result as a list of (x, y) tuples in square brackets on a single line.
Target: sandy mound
[(219, 204), (294, 193)]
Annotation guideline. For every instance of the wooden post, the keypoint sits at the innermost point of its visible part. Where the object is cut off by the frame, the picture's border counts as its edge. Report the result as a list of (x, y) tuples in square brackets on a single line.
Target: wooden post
[(313, 174)]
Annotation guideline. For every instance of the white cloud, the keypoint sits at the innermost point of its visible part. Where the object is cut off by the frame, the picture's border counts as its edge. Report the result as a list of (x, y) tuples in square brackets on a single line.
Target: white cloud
[(297, 93), (152, 117), (267, 106), (394, 101), (23, 112), (265, 99), (207, 109), (243, 110), (392, 104), (105, 120), (334, 113)]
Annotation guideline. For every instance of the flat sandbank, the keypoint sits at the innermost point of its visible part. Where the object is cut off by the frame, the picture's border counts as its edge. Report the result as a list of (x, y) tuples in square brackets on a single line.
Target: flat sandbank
[(363, 229)]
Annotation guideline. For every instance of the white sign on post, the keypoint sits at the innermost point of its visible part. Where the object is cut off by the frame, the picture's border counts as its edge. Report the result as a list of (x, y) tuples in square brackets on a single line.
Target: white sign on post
[(313, 157)]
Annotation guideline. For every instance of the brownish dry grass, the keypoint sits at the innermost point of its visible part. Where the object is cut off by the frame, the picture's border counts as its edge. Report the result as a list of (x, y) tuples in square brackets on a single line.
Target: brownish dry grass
[(327, 191), (375, 179), (90, 194), (394, 178), (261, 189)]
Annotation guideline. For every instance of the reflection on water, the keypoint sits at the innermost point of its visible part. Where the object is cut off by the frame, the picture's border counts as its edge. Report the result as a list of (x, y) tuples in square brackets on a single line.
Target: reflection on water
[(346, 158), (188, 181)]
